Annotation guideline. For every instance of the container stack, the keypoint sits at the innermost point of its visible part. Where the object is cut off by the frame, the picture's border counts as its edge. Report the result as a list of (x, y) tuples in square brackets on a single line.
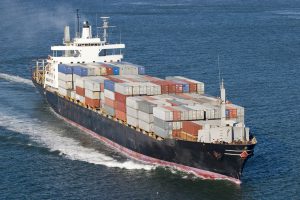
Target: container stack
[(65, 80), (168, 119), (235, 112), (190, 130), (126, 68), (188, 85), (80, 89), (93, 91), (109, 97)]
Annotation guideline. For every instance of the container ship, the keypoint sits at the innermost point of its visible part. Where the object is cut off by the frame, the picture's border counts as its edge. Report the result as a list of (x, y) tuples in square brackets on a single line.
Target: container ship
[(167, 122)]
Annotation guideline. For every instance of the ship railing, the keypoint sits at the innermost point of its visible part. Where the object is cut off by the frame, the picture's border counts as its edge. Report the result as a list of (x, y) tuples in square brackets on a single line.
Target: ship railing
[(39, 70)]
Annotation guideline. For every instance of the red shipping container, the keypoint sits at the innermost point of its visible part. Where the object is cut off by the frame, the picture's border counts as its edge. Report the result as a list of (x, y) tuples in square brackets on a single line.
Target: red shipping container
[(120, 97), (80, 91), (191, 128), (120, 106), (232, 112), (109, 70), (120, 115), (192, 86), (102, 87), (178, 88), (163, 85), (176, 133), (95, 103), (109, 102), (172, 87), (176, 113)]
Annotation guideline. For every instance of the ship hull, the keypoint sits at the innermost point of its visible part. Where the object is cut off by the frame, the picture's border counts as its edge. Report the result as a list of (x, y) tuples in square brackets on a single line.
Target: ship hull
[(212, 161)]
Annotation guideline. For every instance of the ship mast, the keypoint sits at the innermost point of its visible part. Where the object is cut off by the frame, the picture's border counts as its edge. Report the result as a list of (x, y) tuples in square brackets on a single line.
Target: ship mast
[(105, 28), (223, 104), (78, 31)]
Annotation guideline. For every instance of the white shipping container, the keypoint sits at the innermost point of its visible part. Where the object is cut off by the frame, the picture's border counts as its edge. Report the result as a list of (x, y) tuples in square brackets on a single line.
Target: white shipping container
[(135, 88), (80, 82), (132, 102), (145, 126), (65, 84), (76, 77), (204, 134), (143, 88), (196, 113), (65, 77), (102, 95), (93, 85), (145, 117), (161, 132), (153, 89), (73, 94), (109, 94), (92, 94), (123, 88), (163, 113), (132, 121), (131, 112), (219, 134), (239, 133), (64, 92)]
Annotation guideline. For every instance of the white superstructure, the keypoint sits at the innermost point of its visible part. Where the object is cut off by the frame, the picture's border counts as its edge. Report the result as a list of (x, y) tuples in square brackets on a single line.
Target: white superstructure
[(84, 49)]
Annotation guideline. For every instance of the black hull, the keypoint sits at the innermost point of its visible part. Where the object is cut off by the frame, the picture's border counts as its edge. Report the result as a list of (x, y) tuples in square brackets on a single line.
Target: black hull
[(222, 159)]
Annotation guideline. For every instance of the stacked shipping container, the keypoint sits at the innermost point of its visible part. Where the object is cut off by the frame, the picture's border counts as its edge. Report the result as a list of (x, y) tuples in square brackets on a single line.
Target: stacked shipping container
[(175, 107)]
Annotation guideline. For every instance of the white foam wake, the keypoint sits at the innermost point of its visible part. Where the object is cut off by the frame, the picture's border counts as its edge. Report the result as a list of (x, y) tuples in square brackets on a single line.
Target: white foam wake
[(16, 79), (70, 148)]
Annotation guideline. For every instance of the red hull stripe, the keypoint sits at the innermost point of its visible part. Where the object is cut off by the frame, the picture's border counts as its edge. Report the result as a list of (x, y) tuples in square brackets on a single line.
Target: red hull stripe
[(146, 159)]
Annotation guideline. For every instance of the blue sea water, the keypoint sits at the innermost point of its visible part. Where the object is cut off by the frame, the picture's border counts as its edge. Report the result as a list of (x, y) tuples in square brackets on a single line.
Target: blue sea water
[(258, 42)]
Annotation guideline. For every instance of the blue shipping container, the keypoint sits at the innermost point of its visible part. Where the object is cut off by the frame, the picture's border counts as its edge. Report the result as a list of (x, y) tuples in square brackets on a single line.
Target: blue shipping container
[(65, 69), (116, 70), (227, 113), (109, 85), (141, 70), (80, 71), (185, 86)]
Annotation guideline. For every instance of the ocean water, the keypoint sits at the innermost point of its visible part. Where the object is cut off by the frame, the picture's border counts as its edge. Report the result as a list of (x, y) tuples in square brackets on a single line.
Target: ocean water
[(258, 43)]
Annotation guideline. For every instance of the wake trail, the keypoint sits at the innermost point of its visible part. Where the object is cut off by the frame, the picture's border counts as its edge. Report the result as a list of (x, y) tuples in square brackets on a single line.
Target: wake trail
[(51, 138), (16, 79)]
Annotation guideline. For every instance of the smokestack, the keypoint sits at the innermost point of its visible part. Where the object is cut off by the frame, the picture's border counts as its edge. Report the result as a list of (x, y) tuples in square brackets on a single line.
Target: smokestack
[(67, 38)]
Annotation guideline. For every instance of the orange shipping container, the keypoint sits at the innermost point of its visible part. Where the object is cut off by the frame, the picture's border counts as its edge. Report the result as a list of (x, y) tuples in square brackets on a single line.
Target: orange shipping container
[(231, 112), (109, 102), (80, 91), (120, 106), (191, 128), (121, 115), (120, 97), (176, 133), (95, 103)]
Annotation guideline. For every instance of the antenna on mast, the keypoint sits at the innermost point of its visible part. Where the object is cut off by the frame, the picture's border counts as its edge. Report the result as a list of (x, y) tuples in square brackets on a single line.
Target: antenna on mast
[(105, 28), (219, 70), (223, 96), (77, 16)]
